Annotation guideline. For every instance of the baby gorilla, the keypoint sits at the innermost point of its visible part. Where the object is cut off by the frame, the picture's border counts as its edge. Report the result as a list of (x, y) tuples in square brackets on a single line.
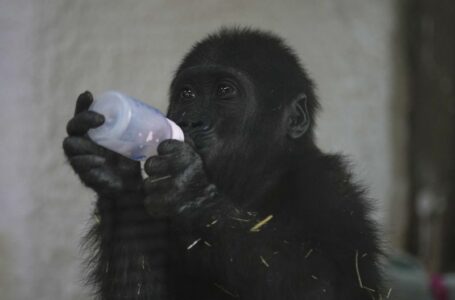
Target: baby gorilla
[(248, 208)]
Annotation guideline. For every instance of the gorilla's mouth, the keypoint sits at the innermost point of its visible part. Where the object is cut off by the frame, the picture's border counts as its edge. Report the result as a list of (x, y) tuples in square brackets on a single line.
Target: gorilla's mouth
[(200, 139), (198, 133)]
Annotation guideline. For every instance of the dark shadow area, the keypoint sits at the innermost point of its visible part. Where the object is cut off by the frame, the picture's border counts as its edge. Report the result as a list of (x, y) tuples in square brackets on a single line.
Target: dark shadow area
[(430, 49)]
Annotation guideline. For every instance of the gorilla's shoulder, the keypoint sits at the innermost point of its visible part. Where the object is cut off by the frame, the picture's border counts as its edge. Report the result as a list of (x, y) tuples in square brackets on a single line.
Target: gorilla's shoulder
[(327, 182)]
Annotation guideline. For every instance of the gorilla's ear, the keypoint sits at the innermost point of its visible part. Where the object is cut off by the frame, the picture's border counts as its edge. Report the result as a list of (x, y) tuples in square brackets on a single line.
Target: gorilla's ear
[(298, 119)]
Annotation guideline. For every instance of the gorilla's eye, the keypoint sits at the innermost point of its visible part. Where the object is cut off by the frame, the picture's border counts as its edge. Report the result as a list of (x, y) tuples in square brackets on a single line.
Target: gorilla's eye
[(226, 91), (187, 93)]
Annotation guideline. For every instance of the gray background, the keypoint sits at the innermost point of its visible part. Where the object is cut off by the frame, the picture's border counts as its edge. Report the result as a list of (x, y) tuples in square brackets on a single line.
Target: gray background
[(50, 51)]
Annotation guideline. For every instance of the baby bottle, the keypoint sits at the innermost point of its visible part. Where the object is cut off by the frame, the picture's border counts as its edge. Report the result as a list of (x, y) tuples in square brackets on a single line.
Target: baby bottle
[(131, 128)]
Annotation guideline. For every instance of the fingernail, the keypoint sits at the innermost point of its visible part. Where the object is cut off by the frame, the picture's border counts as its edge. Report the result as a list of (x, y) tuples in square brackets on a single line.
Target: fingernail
[(100, 119), (147, 165), (88, 94)]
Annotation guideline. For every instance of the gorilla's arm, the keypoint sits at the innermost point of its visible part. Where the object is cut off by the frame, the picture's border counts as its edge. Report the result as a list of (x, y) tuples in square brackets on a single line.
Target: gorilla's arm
[(129, 248), (241, 253), (127, 245)]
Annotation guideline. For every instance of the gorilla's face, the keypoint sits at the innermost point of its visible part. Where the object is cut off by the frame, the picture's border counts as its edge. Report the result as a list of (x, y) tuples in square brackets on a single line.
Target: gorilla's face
[(214, 105), (242, 101)]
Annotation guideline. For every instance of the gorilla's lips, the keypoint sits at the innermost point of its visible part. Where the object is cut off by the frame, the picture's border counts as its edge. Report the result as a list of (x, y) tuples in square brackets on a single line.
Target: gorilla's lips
[(198, 130), (200, 139)]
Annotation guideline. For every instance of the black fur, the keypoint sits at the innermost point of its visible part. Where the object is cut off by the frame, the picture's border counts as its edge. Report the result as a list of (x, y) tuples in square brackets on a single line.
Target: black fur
[(200, 234)]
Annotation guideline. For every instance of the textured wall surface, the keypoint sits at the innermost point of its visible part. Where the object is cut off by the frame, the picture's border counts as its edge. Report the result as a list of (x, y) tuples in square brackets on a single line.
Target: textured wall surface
[(53, 50)]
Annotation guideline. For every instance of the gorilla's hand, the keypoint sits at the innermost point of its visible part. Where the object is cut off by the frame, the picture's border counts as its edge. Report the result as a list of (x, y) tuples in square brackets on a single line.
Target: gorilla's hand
[(104, 171), (177, 181)]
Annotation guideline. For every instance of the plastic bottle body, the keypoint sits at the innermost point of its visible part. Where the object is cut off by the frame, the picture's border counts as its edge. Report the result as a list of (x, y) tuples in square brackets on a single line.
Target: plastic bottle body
[(131, 127)]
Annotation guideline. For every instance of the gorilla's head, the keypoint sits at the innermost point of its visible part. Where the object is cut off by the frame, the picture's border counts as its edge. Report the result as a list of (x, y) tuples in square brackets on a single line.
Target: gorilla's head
[(244, 99)]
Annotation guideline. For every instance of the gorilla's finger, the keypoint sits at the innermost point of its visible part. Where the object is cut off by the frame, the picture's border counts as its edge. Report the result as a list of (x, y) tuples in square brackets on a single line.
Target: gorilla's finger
[(126, 165), (179, 155), (102, 179), (75, 145), (152, 185), (84, 163), (82, 122), (158, 165), (170, 146), (83, 102)]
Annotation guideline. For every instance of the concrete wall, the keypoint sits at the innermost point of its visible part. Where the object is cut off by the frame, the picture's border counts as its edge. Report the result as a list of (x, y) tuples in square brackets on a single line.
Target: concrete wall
[(53, 50)]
